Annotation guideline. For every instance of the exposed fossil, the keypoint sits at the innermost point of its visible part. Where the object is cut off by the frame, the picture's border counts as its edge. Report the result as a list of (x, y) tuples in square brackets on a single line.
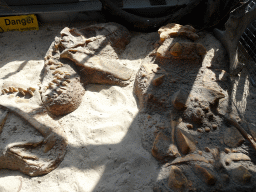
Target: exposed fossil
[(71, 63), (38, 154), (235, 26)]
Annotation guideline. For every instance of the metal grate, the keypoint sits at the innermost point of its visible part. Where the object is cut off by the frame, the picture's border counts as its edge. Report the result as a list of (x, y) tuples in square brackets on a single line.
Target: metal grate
[(247, 47)]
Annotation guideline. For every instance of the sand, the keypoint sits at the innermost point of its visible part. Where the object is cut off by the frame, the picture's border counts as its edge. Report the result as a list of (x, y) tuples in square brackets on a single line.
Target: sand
[(107, 150)]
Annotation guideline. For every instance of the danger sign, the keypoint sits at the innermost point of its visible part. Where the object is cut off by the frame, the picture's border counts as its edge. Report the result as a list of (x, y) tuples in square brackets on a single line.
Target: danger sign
[(18, 23)]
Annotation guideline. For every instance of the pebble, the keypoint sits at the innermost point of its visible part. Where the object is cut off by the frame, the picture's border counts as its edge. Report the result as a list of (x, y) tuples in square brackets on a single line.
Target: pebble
[(207, 129), (200, 130), (214, 126)]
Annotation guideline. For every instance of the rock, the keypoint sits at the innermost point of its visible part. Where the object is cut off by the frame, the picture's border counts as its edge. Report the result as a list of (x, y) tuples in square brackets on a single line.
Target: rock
[(148, 75), (200, 130), (241, 175), (232, 137), (171, 49), (158, 80), (163, 149), (176, 30), (185, 145), (188, 158), (205, 175), (177, 180), (207, 129), (214, 126), (179, 99)]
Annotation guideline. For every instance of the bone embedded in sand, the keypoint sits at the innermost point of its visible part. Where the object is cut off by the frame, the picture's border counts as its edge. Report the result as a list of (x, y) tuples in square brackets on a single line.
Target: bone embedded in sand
[(177, 180), (205, 175), (15, 89), (163, 149), (58, 72), (188, 158), (22, 91), (176, 30), (55, 72), (59, 91), (52, 67), (185, 144), (58, 76), (6, 90), (30, 92), (56, 81), (64, 83), (10, 89)]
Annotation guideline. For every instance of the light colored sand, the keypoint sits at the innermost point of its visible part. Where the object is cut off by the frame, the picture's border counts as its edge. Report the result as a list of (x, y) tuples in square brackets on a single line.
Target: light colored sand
[(105, 151)]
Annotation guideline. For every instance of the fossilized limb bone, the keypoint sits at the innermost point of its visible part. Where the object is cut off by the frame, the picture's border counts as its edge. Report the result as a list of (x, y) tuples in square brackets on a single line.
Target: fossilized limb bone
[(49, 150), (235, 26)]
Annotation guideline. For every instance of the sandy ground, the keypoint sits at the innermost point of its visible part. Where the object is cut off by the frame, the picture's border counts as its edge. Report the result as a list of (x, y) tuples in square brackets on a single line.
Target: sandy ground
[(105, 151)]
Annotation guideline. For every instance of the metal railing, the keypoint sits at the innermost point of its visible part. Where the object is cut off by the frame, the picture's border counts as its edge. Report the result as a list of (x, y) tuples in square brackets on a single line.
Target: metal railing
[(247, 47)]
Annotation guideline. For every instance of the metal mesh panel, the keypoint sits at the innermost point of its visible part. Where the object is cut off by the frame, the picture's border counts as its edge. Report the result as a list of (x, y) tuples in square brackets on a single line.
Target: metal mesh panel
[(247, 48)]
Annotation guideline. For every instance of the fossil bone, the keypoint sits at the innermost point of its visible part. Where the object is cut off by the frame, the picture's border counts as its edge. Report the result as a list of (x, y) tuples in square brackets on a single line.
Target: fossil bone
[(15, 89), (235, 26), (51, 148)]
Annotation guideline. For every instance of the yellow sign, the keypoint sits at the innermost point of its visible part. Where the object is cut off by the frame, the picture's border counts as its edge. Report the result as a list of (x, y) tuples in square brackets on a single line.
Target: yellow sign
[(18, 23)]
